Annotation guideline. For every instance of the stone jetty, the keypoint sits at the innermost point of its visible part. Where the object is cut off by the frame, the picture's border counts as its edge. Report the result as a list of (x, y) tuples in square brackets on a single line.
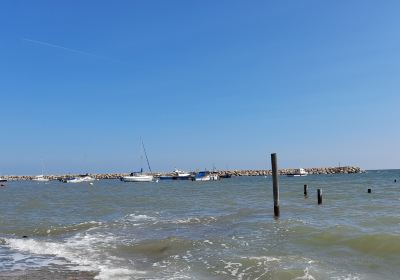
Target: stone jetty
[(285, 171)]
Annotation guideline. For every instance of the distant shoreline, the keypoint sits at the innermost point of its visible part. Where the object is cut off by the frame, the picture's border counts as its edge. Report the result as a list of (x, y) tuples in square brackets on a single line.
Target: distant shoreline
[(249, 172)]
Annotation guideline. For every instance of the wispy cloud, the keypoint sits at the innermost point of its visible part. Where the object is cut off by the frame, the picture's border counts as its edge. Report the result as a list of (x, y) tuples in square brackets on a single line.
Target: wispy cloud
[(50, 45)]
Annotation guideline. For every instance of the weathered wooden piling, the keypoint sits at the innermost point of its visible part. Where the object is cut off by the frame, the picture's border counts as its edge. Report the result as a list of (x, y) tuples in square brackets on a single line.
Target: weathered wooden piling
[(275, 184), (319, 195), (369, 190), (305, 191)]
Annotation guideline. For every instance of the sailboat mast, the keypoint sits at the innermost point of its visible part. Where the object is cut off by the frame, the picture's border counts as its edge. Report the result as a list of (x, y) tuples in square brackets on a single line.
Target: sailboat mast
[(42, 167), (147, 159)]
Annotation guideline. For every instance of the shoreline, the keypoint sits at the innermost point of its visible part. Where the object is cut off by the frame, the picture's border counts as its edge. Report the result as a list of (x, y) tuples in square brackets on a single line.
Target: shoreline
[(233, 173)]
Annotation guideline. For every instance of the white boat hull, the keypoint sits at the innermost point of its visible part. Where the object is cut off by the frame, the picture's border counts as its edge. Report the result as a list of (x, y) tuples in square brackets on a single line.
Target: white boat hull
[(208, 178), (81, 180), (299, 173), (138, 178), (40, 178), (203, 179), (74, 181)]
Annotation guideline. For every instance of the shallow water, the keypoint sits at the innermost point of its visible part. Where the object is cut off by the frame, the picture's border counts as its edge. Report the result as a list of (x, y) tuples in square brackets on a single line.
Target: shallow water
[(206, 230)]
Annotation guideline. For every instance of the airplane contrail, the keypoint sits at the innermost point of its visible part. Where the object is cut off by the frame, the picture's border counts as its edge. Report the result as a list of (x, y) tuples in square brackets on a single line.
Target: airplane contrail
[(68, 49)]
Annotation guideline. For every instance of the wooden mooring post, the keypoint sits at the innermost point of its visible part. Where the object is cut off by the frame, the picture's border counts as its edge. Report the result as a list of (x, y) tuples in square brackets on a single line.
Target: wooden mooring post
[(305, 190), (275, 184), (319, 195)]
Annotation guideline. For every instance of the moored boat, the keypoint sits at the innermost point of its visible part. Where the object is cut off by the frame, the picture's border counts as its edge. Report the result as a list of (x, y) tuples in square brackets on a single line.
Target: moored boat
[(206, 176), (40, 178), (177, 175), (2, 180), (80, 179), (298, 172), (138, 177)]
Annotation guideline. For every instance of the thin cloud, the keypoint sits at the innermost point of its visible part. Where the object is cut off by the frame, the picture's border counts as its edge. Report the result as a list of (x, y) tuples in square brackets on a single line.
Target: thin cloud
[(69, 49)]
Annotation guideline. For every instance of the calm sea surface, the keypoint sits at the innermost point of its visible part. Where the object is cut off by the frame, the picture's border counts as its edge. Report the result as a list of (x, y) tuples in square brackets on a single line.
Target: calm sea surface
[(206, 230)]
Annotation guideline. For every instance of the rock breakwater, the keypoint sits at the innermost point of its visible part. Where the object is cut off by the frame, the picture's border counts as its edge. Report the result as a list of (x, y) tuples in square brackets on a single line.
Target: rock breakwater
[(287, 171), (250, 172)]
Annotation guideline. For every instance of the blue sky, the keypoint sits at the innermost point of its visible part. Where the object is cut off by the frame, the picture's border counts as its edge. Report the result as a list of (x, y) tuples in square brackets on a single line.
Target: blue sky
[(205, 83)]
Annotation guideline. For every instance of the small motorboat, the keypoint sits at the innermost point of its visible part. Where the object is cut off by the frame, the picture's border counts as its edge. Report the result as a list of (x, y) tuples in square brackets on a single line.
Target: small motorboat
[(206, 176), (80, 179), (177, 175), (181, 174), (2, 180), (40, 178), (298, 173)]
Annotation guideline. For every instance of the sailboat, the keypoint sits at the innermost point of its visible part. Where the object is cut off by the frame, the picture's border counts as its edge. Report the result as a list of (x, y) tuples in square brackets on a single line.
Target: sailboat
[(41, 178), (140, 176)]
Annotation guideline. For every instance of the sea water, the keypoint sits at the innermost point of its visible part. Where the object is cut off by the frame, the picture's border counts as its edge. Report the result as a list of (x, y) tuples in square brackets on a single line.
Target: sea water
[(206, 230)]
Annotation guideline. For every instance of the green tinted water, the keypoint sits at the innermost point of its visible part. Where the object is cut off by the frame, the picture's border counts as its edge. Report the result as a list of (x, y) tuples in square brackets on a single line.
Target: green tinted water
[(206, 230)]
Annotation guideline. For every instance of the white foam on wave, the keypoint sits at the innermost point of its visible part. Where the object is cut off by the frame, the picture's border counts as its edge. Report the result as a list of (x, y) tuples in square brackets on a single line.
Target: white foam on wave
[(232, 267), (76, 227), (306, 276), (186, 221), (21, 261), (145, 218), (138, 218), (135, 220), (90, 223), (194, 220), (82, 250), (263, 258), (347, 277)]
